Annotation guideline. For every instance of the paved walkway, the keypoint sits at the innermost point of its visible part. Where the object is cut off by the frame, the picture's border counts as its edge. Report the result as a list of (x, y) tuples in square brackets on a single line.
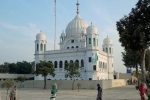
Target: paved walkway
[(120, 93)]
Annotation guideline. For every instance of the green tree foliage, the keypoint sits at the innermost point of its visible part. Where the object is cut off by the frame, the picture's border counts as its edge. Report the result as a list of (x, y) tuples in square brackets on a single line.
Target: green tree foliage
[(72, 71), (134, 31), (7, 84), (24, 67), (13, 68), (147, 60), (4, 68), (21, 80), (44, 68), (131, 60), (17, 68)]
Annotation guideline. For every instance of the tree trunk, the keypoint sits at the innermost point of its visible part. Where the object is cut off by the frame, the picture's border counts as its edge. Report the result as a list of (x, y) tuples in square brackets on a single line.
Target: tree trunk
[(137, 75), (20, 85), (143, 65), (7, 94), (44, 82), (73, 85)]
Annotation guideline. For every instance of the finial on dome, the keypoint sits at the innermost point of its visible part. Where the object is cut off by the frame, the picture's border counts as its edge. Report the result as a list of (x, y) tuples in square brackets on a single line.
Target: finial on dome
[(77, 7), (40, 31), (91, 23), (107, 36)]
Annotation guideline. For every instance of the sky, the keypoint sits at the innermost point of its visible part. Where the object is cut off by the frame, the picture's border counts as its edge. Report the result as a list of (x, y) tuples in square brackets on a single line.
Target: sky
[(21, 20)]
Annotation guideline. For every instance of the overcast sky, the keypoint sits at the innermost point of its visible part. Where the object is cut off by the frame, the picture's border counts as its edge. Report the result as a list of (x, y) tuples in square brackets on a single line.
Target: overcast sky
[(21, 20)]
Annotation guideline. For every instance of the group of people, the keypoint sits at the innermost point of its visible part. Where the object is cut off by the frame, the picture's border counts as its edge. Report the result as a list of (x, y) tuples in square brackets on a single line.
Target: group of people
[(13, 93), (132, 82), (142, 89)]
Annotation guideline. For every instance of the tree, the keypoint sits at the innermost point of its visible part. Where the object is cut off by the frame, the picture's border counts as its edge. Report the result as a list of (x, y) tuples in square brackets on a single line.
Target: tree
[(21, 80), (8, 84), (131, 60), (78, 85), (147, 60), (13, 68), (4, 68), (44, 68), (72, 71), (134, 31), (24, 67)]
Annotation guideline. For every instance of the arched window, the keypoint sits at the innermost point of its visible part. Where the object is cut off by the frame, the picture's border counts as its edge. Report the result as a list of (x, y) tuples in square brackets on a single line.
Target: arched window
[(67, 47), (106, 50), (82, 63), (44, 47), (50, 62), (93, 41), (99, 64), (72, 47), (41, 46), (106, 65), (103, 65), (71, 61), (37, 47), (86, 41), (55, 63), (110, 50), (97, 42), (89, 40), (66, 63), (77, 61), (76, 46), (60, 64)]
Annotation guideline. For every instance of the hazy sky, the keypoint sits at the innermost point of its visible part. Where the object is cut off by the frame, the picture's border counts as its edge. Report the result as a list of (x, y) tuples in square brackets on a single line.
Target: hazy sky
[(21, 20)]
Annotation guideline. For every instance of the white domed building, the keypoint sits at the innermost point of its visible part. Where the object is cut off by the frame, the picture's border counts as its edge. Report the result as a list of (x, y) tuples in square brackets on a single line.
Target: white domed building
[(79, 43)]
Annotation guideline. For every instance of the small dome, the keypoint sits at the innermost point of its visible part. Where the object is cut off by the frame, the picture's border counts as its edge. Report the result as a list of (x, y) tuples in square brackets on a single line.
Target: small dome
[(76, 26), (91, 29), (63, 34), (40, 36), (107, 41)]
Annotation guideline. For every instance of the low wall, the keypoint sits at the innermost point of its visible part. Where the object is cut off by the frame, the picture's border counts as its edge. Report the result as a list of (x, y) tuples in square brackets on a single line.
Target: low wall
[(14, 76), (67, 84), (125, 76)]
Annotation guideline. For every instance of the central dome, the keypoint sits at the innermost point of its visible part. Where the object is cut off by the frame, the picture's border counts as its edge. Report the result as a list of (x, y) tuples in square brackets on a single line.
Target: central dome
[(76, 26)]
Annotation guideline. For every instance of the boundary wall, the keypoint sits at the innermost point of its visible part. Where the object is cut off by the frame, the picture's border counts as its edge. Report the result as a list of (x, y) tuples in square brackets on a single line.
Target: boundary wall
[(14, 76), (67, 84)]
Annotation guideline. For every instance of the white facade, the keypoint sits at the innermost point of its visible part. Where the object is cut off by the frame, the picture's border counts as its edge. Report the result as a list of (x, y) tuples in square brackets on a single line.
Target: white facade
[(78, 43)]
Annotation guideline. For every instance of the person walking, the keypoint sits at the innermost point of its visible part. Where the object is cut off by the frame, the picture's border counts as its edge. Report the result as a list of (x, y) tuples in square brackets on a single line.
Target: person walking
[(13, 94), (99, 94), (142, 92)]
